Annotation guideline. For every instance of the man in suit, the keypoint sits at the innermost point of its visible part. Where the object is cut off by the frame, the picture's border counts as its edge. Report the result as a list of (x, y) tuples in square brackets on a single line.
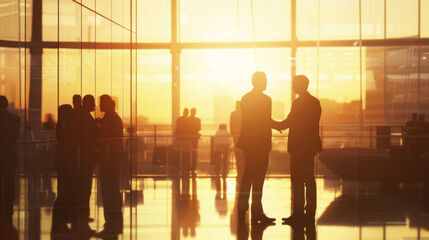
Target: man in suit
[(255, 140), (9, 133), (235, 128), (303, 144), (111, 133), (88, 129), (194, 129), (182, 125)]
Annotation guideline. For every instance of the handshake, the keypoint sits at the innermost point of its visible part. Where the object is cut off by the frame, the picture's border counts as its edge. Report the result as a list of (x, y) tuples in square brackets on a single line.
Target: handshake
[(279, 126)]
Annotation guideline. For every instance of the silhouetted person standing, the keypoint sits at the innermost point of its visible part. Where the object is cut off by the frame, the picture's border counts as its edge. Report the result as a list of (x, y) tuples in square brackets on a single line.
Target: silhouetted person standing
[(255, 140), (9, 133), (303, 144), (221, 146), (410, 131), (111, 132), (194, 132), (235, 128), (422, 131), (66, 171), (183, 140), (182, 125), (88, 130)]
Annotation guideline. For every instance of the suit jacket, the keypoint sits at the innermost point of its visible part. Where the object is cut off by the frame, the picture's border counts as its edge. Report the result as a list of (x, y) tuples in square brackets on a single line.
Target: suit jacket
[(182, 128), (194, 130), (303, 123), (111, 132), (256, 123), (9, 134)]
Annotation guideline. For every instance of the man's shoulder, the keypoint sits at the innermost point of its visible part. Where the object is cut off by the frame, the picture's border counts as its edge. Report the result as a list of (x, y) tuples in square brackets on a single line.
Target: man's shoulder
[(256, 95), (310, 99)]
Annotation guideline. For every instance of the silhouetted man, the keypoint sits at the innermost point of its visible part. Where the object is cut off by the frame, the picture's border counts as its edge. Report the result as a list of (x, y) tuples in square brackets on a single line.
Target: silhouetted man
[(255, 140), (410, 131), (111, 132), (422, 130), (9, 133), (63, 211), (88, 129), (194, 131), (182, 125), (183, 140), (303, 144), (235, 128)]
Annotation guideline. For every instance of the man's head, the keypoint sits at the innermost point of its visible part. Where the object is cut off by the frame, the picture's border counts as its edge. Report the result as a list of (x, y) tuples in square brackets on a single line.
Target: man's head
[(106, 104), (185, 112), (193, 111), (259, 81), (421, 117), (77, 101), (414, 116), (300, 84), (3, 103), (88, 103), (222, 126)]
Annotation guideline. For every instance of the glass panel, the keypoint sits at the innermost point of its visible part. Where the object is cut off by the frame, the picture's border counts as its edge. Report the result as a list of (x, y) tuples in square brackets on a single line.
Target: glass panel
[(10, 86), (103, 30), (104, 8), (424, 81), (402, 18), (306, 64), (339, 84), (127, 13), (69, 68), (213, 80), (69, 21), (154, 87), (88, 55), (88, 72), (276, 14), (401, 83), (89, 3), (103, 71), (154, 21), (50, 83), (307, 23), (339, 19), (50, 19), (372, 19), (424, 18), (201, 21), (9, 18), (373, 80), (88, 25), (117, 11)]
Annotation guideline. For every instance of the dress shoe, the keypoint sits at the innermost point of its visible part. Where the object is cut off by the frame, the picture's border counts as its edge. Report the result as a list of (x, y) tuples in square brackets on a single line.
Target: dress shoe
[(261, 217), (293, 219)]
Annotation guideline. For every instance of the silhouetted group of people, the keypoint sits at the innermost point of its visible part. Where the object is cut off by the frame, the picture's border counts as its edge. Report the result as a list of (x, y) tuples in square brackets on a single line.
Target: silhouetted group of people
[(303, 144), (416, 135), (187, 134), (83, 143)]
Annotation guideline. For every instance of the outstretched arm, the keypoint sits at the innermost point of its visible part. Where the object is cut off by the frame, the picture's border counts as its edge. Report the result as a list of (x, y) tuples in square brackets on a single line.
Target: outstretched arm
[(285, 124)]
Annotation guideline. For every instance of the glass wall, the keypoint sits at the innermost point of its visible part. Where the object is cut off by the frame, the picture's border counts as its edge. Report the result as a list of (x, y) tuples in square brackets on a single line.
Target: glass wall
[(49, 51)]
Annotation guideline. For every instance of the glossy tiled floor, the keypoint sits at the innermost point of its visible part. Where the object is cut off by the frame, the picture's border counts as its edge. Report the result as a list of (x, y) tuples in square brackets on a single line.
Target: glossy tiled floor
[(203, 208)]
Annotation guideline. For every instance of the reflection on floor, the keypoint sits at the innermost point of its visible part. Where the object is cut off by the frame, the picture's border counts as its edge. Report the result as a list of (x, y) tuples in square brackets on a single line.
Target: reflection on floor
[(203, 208)]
